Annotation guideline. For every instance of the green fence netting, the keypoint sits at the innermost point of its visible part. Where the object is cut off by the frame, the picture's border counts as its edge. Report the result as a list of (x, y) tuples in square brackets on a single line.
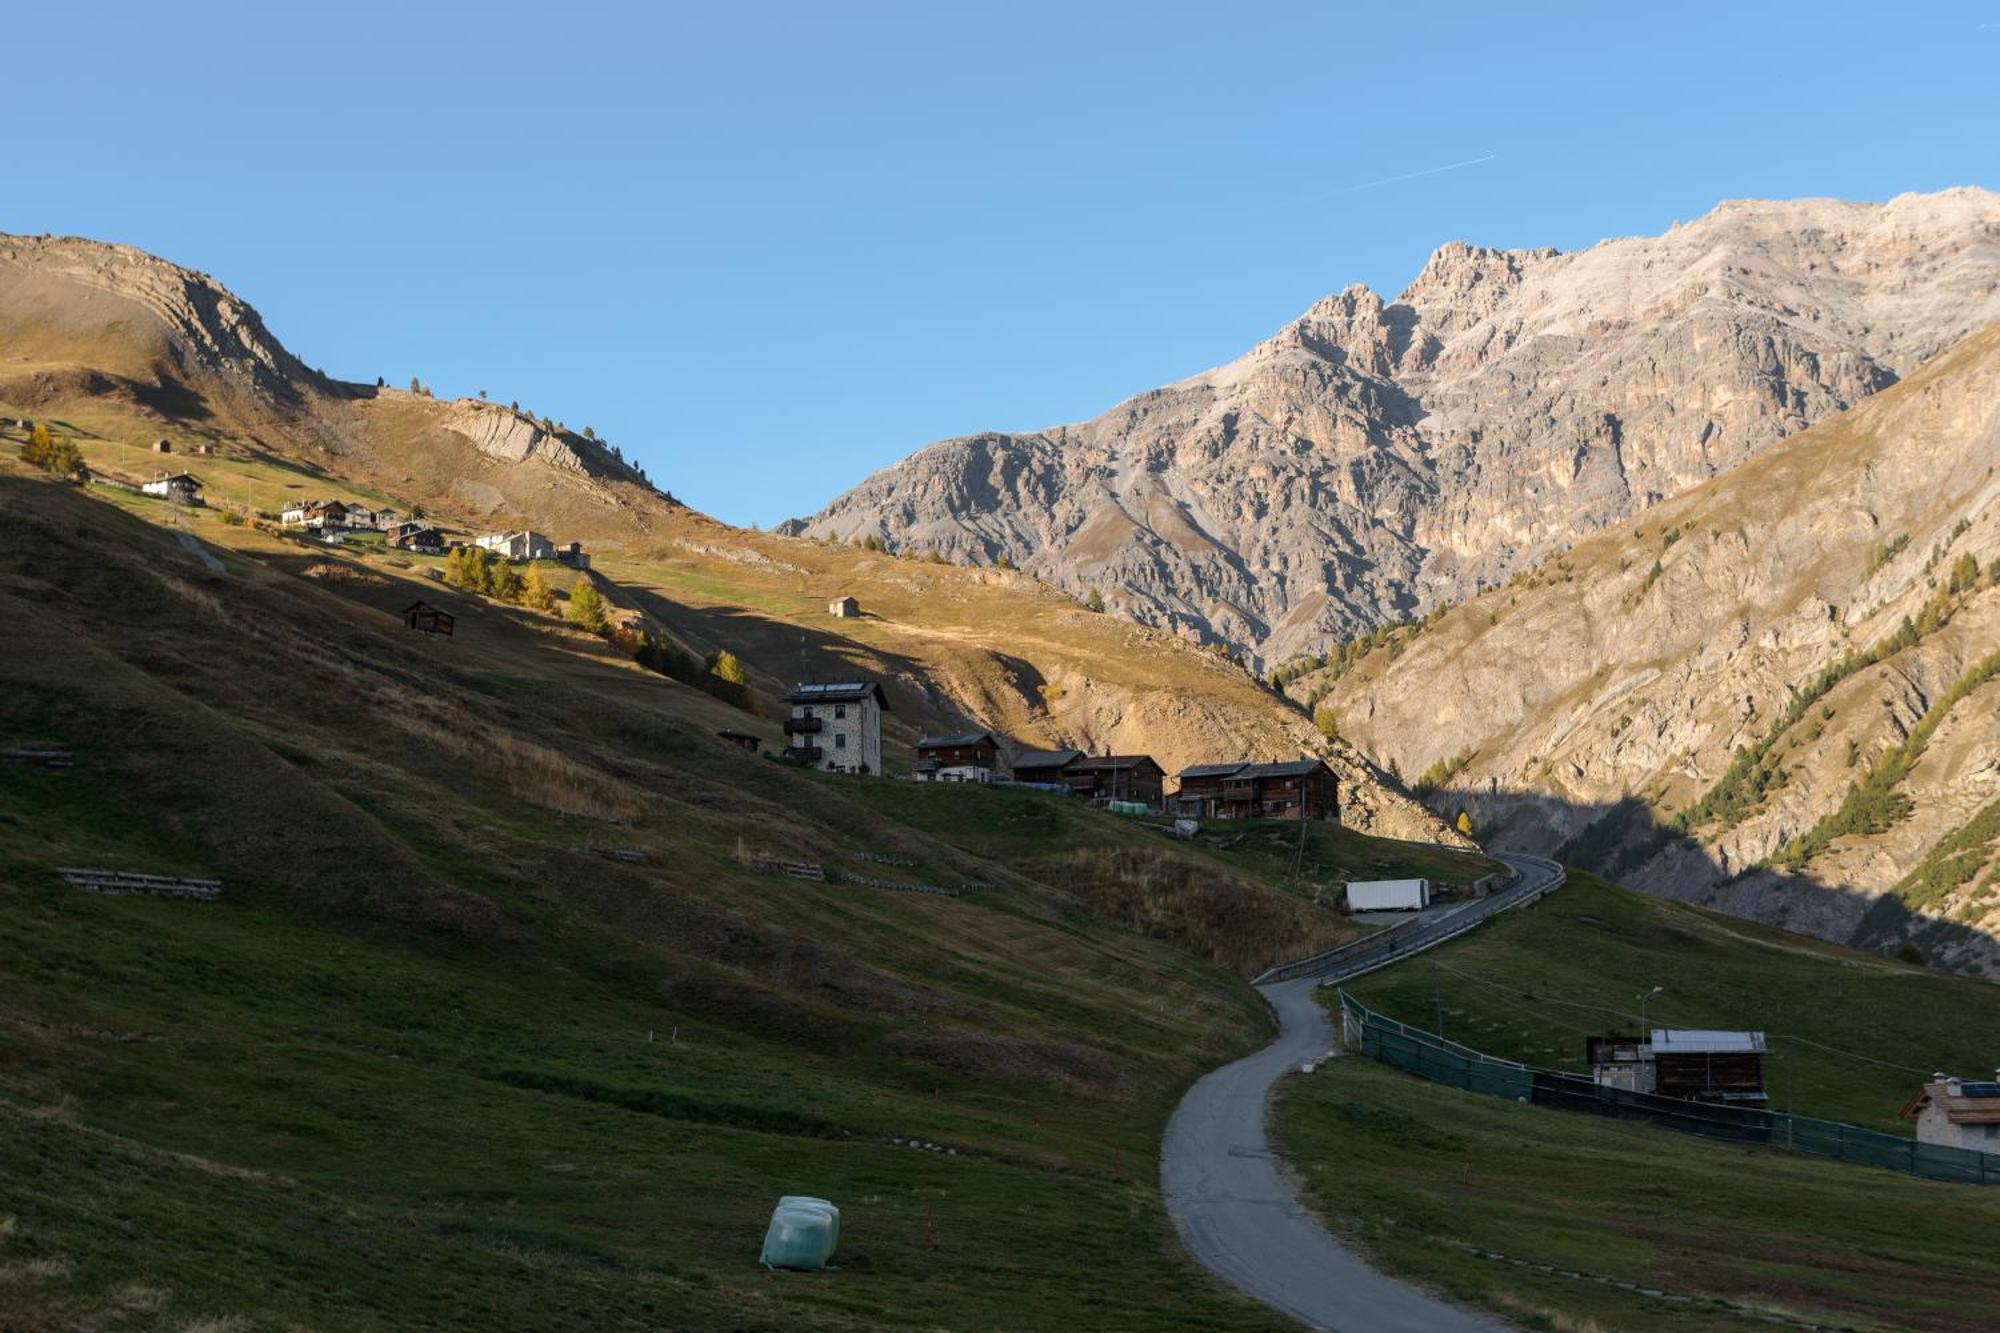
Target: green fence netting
[(1430, 1056)]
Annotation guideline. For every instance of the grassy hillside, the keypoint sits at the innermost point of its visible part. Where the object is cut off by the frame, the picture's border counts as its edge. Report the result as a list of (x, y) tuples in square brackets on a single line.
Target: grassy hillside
[(434, 1056), (1537, 1214), (1436, 1183), (956, 645), (1532, 986)]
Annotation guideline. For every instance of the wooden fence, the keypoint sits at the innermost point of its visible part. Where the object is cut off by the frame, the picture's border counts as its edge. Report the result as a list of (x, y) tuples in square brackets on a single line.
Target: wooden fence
[(37, 756), (130, 883)]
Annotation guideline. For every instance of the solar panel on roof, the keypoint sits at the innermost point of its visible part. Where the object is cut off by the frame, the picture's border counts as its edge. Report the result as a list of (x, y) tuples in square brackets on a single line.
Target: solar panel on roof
[(1979, 1089)]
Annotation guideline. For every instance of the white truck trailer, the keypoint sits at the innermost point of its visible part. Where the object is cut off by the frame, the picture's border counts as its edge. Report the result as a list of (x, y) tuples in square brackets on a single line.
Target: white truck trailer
[(1388, 895)]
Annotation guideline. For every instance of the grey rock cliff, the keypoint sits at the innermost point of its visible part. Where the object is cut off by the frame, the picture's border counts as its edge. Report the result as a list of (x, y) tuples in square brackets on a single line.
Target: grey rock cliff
[(1376, 458), (1605, 693)]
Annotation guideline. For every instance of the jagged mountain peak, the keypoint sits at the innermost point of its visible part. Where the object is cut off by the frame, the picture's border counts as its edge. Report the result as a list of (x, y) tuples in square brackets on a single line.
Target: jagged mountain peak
[(1374, 458)]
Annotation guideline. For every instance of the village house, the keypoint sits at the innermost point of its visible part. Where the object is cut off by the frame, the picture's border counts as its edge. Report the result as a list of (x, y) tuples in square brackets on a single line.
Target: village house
[(360, 516), (1117, 777), (573, 555), (742, 740), (1693, 1064), (1953, 1113), (180, 488), (318, 514), (836, 725), (416, 537), (844, 607), (1302, 788), (517, 545), (970, 756), (386, 518), (1199, 794), (1044, 766), (427, 619)]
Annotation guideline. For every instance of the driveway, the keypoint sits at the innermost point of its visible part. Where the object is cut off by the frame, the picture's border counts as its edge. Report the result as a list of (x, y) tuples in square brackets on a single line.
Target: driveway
[(1231, 1198)]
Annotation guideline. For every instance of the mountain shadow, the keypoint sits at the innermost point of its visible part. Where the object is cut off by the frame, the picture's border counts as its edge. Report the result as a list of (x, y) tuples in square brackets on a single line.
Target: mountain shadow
[(1625, 841)]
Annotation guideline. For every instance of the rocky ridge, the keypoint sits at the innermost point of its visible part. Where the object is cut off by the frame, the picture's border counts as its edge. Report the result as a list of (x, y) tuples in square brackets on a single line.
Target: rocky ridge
[(1377, 458), (1690, 699)]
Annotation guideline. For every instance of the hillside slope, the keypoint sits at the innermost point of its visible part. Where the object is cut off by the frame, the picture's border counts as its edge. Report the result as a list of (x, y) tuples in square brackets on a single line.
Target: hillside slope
[(1775, 693), (120, 348), (1560, 1218), (1376, 458), (498, 1021)]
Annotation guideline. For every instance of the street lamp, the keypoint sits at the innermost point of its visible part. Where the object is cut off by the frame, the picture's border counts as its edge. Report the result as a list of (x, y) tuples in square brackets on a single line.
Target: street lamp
[(1645, 1031)]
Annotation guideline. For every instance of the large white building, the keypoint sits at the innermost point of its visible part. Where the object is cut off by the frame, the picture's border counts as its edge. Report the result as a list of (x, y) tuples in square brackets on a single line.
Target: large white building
[(836, 725), (517, 545), (1953, 1113)]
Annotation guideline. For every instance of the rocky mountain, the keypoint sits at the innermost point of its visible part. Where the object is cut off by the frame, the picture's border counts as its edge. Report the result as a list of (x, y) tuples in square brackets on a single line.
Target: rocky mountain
[(1777, 693), (120, 347), (110, 327), (1374, 459)]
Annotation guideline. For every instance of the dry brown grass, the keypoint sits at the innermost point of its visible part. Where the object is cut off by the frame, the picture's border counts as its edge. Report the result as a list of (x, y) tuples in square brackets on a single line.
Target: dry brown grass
[(1233, 922)]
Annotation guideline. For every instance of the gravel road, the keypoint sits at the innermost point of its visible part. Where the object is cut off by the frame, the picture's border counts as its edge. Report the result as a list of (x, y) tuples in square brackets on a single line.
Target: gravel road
[(1231, 1199)]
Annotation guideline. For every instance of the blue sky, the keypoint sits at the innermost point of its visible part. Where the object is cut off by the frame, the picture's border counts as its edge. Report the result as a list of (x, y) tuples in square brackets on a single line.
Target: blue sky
[(769, 249)]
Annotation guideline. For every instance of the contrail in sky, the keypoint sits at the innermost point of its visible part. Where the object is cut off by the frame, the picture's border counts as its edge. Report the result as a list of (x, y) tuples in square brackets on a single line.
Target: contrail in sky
[(1427, 171)]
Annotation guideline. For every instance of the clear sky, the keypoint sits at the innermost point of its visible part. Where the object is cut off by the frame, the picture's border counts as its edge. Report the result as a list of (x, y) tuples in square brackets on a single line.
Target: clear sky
[(767, 249)]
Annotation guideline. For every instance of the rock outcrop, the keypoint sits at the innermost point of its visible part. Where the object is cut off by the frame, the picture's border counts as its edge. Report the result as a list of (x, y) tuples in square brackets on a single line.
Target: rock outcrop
[(1778, 693), (114, 296), (1373, 459)]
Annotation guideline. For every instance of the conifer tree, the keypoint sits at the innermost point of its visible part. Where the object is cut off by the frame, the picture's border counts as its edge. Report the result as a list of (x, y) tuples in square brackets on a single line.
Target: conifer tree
[(536, 594), (586, 608)]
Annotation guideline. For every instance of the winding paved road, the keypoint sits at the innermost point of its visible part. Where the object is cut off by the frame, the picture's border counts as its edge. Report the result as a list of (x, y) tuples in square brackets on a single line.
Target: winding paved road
[(1229, 1196)]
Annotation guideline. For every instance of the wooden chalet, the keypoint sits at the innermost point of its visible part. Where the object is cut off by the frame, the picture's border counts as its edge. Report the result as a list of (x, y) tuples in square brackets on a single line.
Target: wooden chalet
[(1117, 777), (970, 749), (415, 537), (1044, 765), (1706, 1066), (427, 619), (1200, 793), (1302, 788), (742, 740)]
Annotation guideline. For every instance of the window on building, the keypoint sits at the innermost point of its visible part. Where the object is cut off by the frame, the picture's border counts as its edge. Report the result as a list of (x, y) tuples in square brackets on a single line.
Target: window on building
[(805, 710), (840, 710), (840, 740)]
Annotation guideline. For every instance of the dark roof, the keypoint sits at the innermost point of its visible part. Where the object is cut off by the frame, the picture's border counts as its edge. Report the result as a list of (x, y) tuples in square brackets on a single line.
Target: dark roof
[(1289, 768), (1213, 770), (418, 606), (1114, 761), (1046, 759), (739, 736), (953, 742), (837, 692)]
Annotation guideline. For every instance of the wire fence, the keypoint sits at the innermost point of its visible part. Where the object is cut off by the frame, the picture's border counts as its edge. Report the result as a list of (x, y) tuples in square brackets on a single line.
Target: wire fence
[(1430, 1056)]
